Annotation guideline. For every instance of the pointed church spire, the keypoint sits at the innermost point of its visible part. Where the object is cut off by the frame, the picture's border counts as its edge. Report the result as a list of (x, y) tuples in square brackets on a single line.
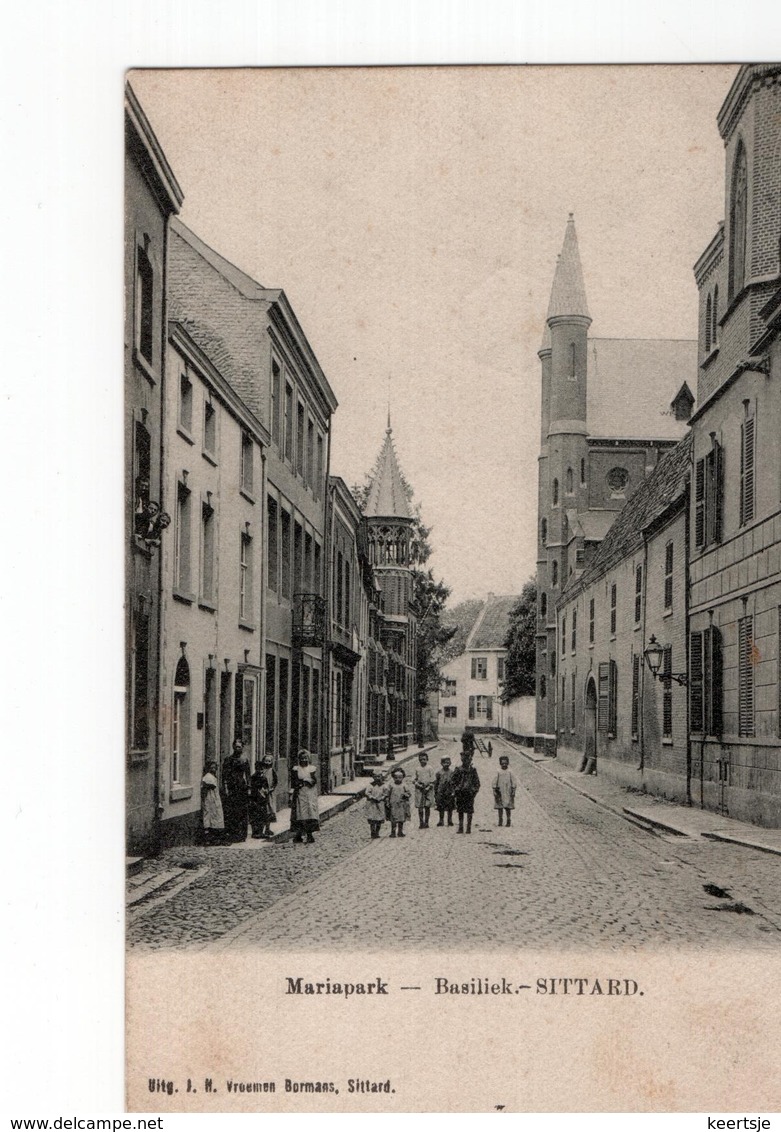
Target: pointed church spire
[(387, 497), (568, 294)]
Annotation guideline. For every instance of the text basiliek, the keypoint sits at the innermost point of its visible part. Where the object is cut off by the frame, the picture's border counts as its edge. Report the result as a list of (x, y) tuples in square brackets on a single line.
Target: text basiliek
[(558, 985)]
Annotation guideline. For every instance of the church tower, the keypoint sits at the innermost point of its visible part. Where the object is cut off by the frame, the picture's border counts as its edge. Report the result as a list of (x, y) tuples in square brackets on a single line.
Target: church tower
[(389, 522), (563, 465)]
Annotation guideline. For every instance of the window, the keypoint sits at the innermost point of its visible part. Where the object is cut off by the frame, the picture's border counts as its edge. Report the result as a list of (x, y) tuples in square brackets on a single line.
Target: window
[(479, 667), (316, 583), (746, 659), (298, 558), (638, 594), (247, 463), (276, 381), (714, 336), (708, 323), (308, 564), (613, 609), (706, 681), (747, 444), (669, 560), (572, 361), (310, 453), (570, 481), (284, 704), (209, 428), (320, 466), (563, 700), (591, 622), (555, 574), (245, 579), (667, 693), (636, 662), (288, 452), (708, 494), (139, 681), (207, 552), (544, 606), (185, 403), (272, 550), (553, 662), (563, 635), (347, 594), (544, 531), (182, 540), (286, 562), (180, 725), (574, 629), (338, 582), (543, 687), (572, 703), (583, 473), (500, 668), (555, 493), (144, 306), (142, 469), (607, 698), (300, 431), (737, 223), (617, 481), (451, 711)]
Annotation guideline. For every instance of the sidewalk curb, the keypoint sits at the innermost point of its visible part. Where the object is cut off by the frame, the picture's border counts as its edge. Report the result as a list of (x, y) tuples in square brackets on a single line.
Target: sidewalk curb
[(649, 823)]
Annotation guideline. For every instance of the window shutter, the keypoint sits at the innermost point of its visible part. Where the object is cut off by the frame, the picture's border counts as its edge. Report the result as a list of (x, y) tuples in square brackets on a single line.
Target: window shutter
[(635, 695), (716, 683), (613, 696), (603, 696), (746, 676), (667, 693), (747, 471), (638, 592), (699, 503), (472, 706), (489, 710), (718, 490), (474, 668), (696, 720)]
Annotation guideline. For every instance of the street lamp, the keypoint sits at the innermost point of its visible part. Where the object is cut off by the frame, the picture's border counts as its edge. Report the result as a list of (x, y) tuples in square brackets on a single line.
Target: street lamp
[(654, 656)]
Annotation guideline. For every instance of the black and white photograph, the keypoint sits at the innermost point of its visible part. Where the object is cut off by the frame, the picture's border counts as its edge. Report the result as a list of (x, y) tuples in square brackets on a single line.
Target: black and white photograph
[(452, 556)]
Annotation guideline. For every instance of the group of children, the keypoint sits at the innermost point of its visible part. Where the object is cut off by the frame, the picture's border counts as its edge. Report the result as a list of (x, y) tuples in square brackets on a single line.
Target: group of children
[(446, 790)]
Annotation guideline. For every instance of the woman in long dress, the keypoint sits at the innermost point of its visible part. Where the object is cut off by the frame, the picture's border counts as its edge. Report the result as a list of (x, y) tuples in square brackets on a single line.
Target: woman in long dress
[(304, 815), (211, 806)]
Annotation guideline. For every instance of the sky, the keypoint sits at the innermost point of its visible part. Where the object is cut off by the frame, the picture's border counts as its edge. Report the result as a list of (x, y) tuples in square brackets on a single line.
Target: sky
[(413, 217)]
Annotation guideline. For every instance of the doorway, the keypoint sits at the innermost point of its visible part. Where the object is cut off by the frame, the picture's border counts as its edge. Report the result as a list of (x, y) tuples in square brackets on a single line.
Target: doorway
[(588, 763)]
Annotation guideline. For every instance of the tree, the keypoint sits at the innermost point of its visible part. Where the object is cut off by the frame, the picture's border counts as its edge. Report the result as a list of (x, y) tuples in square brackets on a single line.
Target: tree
[(520, 659)]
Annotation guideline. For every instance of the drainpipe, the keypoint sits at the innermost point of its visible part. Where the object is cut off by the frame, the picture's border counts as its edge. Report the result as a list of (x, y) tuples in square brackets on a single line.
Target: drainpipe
[(260, 743), (641, 681)]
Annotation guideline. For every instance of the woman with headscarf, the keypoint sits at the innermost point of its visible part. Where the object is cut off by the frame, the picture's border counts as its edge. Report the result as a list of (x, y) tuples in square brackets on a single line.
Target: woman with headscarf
[(261, 802), (304, 817)]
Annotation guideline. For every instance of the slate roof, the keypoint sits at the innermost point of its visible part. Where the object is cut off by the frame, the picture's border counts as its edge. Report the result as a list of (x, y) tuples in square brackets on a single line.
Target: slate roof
[(666, 484), (490, 628), (387, 497), (632, 383), (568, 293)]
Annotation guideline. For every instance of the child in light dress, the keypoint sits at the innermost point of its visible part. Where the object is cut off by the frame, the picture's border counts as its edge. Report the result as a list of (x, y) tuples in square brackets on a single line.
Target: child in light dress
[(505, 786), (376, 795), (398, 802)]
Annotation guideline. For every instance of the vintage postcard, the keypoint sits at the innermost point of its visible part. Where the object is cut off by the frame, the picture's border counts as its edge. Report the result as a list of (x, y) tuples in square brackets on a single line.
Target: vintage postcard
[(453, 588)]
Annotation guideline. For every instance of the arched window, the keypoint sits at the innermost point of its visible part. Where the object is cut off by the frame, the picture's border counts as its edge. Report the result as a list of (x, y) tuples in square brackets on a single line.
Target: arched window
[(544, 531), (543, 687), (583, 472), (180, 724), (572, 365), (570, 481), (708, 321), (714, 335), (555, 493), (553, 663), (737, 223), (544, 606), (555, 574)]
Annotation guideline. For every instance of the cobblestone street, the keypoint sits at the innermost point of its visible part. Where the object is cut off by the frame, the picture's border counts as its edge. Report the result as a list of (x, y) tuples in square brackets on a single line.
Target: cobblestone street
[(569, 873)]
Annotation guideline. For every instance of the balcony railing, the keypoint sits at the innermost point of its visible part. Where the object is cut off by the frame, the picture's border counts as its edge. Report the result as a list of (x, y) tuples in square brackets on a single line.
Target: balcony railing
[(308, 621)]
